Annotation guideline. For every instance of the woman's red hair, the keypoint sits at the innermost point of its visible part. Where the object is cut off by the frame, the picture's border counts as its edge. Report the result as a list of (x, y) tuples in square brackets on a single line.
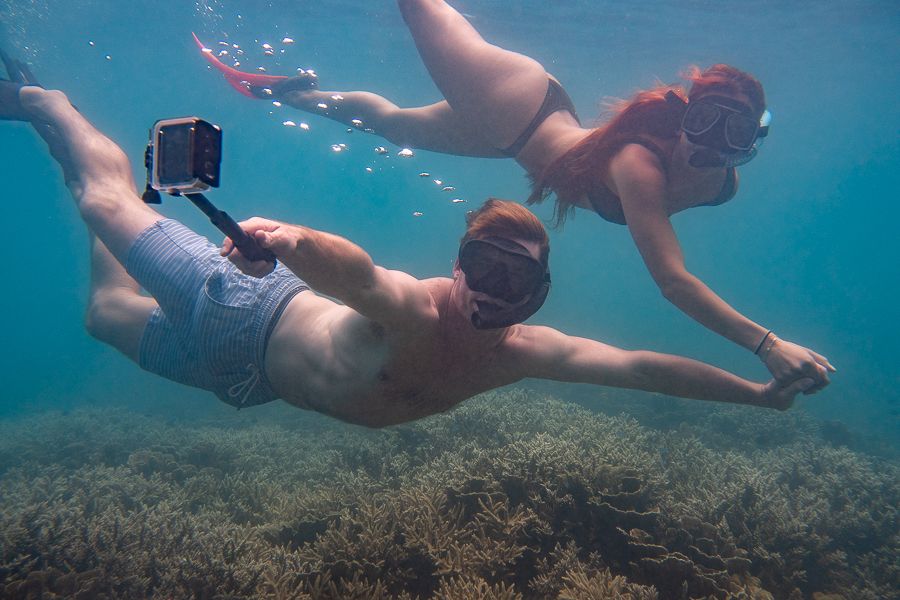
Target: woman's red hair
[(574, 174)]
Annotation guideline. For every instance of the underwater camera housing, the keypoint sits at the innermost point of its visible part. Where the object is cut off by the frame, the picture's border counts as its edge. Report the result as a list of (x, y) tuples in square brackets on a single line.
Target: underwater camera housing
[(184, 155), (184, 158)]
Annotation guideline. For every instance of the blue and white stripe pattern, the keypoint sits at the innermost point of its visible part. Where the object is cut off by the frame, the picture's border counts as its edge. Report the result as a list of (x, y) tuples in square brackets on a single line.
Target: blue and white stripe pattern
[(213, 322)]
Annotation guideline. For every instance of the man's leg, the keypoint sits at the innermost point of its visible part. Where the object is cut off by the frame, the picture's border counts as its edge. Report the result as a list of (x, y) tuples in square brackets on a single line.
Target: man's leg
[(117, 313), (99, 176), (96, 171)]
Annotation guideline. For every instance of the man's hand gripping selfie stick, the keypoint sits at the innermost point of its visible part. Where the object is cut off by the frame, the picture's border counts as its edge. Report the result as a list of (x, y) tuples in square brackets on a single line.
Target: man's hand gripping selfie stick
[(183, 159), (248, 246)]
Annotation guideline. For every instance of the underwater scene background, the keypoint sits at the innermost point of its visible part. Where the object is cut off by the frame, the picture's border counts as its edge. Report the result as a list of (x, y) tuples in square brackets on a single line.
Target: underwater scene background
[(117, 484)]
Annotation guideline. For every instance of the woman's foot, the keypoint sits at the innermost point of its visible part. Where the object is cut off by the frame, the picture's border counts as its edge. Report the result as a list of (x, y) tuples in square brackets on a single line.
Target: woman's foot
[(304, 81)]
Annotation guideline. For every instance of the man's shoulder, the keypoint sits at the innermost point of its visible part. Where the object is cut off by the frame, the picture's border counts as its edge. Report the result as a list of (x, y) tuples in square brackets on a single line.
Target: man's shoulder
[(423, 300), (446, 281), (437, 286)]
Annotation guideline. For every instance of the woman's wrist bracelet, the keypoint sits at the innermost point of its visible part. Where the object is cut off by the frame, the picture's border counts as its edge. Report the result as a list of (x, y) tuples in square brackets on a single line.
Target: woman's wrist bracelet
[(761, 342), (765, 353)]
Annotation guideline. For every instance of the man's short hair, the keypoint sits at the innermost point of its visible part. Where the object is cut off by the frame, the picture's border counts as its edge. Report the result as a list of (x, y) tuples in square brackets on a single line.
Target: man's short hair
[(507, 219)]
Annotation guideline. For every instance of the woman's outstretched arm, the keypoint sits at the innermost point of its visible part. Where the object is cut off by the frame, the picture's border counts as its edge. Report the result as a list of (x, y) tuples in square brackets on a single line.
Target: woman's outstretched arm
[(549, 354), (641, 185)]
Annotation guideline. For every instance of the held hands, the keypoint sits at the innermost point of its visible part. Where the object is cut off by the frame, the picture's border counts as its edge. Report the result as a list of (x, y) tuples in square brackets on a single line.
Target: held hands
[(279, 238), (788, 362), (781, 396)]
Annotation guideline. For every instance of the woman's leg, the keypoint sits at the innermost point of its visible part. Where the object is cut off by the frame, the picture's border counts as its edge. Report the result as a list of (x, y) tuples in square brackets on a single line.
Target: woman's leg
[(491, 93), (495, 91), (435, 127)]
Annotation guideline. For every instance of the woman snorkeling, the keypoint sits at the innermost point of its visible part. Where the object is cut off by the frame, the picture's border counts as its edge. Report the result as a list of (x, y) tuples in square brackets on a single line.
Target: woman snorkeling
[(664, 151)]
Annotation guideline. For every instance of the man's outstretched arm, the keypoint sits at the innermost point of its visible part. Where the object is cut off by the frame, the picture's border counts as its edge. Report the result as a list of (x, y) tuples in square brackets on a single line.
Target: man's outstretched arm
[(550, 354), (336, 267)]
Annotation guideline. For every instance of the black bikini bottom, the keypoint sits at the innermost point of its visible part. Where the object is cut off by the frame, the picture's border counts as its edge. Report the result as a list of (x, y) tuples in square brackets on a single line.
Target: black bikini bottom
[(556, 99)]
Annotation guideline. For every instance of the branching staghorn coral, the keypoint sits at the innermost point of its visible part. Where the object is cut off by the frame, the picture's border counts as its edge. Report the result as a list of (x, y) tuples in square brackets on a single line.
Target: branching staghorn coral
[(601, 585), (513, 495)]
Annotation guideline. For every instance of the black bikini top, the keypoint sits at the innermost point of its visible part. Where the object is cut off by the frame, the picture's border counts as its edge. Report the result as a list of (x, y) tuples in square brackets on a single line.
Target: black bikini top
[(609, 206)]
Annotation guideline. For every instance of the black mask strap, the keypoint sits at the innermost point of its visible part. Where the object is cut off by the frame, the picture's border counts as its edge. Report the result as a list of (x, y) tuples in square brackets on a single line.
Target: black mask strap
[(676, 106)]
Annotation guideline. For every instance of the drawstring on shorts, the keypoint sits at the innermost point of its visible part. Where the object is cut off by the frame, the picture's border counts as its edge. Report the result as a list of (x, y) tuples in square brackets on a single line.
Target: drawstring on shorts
[(244, 388)]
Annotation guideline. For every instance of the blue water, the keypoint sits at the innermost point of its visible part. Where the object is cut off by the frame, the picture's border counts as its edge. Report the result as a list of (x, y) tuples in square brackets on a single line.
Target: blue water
[(808, 248)]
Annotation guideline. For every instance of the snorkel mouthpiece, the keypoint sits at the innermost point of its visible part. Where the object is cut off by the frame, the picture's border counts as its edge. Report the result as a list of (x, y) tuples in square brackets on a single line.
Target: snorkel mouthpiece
[(482, 320), (711, 158), (505, 271), (487, 316), (708, 157)]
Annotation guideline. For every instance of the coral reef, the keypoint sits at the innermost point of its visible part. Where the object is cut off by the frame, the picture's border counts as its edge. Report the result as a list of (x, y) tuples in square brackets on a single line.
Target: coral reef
[(511, 496)]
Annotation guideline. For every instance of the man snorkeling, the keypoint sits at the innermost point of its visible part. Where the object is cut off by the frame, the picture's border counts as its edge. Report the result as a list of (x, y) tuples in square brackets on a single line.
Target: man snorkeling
[(393, 349)]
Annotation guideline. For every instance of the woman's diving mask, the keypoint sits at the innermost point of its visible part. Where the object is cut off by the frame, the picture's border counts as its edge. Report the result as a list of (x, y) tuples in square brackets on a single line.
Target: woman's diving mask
[(725, 127)]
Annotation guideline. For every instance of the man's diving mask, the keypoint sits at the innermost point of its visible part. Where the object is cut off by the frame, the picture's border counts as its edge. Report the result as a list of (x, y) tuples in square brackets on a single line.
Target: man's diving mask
[(725, 127), (506, 271)]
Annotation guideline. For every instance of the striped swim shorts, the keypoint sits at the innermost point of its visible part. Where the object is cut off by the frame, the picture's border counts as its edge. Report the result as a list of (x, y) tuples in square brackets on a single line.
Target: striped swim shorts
[(213, 322)]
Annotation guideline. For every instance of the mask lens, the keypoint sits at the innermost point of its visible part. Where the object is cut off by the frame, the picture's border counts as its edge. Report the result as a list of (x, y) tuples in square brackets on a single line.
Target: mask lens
[(499, 273), (700, 117), (478, 263), (740, 131)]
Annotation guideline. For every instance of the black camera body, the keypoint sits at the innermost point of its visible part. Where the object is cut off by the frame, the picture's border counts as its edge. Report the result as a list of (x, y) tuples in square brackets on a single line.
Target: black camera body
[(184, 155), (183, 158)]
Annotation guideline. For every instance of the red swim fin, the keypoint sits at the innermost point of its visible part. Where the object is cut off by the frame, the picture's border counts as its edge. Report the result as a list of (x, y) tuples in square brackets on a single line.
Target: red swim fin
[(238, 79)]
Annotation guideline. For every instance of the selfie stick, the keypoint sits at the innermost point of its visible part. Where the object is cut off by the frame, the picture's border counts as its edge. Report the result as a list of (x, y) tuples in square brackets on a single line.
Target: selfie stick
[(221, 219)]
